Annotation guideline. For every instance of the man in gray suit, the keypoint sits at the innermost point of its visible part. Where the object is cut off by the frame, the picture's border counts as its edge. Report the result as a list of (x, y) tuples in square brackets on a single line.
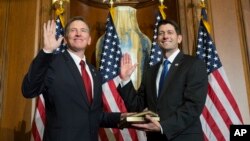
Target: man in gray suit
[(178, 96), (71, 114)]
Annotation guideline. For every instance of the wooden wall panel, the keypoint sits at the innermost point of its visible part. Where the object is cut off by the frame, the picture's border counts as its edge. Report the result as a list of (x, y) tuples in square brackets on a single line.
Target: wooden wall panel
[(243, 8), (186, 25), (20, 37), (3, 14), (18, 49), (189, 21)]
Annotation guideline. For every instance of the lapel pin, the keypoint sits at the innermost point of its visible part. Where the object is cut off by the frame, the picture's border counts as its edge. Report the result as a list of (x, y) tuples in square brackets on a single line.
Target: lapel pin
[(176, 65), (93, 71)]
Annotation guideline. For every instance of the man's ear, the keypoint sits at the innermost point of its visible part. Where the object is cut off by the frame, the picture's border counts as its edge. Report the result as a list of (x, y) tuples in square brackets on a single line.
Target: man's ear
[(89, 42), (179, 38), (64, 41)]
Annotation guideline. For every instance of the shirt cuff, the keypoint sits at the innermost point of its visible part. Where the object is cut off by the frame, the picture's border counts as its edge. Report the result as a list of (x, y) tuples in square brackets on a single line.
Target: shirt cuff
[(123, 83), (46, 51), (161, 129)]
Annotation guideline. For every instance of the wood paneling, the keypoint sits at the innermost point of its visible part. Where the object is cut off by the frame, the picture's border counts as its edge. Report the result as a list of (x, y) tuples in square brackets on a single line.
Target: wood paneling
[(3, 14), (243, 15), (21, 35), (17, 51), (132, 3), (189, 21)]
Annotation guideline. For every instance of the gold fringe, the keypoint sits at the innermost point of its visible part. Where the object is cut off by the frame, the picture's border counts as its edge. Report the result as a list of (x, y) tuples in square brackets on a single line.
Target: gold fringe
[(161, 8), (206, 24), (59, 12)]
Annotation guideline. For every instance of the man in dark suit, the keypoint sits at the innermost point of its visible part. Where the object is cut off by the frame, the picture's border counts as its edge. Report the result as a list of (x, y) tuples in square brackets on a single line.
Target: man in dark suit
[(70, 116), (180, 97)]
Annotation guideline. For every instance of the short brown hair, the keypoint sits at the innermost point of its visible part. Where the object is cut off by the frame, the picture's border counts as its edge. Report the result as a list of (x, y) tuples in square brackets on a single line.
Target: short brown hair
[(76, 18), (171, 22)]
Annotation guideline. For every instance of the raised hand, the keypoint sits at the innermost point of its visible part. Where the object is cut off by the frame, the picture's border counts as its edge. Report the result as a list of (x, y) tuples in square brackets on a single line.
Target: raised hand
[(49, 35), (127, 68)]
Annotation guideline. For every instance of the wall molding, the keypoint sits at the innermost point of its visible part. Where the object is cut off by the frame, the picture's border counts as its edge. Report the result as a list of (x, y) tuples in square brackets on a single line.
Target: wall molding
[(245, 49)]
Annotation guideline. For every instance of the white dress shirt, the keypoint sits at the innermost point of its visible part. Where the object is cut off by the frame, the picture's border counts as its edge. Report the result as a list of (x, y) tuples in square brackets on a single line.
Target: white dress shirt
[(77, 61)]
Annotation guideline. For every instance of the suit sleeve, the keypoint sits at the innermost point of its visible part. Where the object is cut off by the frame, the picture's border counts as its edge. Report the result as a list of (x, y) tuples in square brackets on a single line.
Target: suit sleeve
[(194, 98), (134, 100), (32, 85), (110, 120)]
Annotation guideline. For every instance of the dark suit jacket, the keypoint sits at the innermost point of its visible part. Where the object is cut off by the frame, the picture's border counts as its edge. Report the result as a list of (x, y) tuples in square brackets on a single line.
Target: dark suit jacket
[(180, 102), (69, 116)]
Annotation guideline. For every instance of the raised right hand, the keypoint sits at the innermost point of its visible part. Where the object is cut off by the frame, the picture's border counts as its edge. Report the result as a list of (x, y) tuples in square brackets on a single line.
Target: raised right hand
[(49, 35), (127, 68)]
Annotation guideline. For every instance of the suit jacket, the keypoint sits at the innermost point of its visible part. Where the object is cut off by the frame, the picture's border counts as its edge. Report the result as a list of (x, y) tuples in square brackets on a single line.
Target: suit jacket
[(69, 116), (180, 102)]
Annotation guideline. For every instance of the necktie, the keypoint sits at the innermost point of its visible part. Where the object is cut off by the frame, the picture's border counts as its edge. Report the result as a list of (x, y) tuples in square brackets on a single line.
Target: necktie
[(163, 75), (87, 81)]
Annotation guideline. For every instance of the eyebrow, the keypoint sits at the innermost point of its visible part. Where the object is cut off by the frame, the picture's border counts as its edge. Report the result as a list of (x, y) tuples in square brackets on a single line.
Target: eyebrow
[(80, 28), (166, 31)]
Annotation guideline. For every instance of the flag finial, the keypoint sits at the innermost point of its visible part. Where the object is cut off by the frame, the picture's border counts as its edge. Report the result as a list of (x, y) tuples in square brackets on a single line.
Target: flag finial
[(161, 1), (59, 3), (202, 4), (111, 2)]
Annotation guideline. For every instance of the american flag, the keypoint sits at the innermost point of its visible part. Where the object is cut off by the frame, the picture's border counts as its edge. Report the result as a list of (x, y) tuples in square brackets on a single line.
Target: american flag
[(60, 33), (40, 115), (109, 68), (38, 121), (221, 109), (155, 53)]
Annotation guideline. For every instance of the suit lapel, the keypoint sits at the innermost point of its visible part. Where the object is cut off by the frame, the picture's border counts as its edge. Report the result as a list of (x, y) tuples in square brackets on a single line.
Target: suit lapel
[(77, 76), (172, 72), (154, 72)]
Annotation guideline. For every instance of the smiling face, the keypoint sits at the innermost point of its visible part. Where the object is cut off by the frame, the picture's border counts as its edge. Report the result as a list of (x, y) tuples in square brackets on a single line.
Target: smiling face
[(77, 36), (168, 39)]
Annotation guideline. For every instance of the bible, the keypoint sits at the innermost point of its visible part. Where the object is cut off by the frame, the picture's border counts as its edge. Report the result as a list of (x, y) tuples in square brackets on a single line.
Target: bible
[(137, 118)]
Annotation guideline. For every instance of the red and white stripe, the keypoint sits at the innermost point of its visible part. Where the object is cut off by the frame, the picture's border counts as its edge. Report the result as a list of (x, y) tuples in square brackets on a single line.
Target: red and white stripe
[(221, 109), (114, 103), (39, 120)]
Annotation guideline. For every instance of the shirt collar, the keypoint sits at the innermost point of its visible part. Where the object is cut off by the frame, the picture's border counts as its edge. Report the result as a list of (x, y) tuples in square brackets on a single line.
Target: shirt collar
[(172, 56), (76, 58)]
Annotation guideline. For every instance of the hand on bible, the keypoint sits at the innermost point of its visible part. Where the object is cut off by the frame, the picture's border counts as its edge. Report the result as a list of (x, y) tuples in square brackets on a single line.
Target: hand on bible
[(152, 125)]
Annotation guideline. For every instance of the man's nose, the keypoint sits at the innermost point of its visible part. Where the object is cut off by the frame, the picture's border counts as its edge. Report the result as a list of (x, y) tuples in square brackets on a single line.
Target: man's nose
[(78, 32), (165, 36)]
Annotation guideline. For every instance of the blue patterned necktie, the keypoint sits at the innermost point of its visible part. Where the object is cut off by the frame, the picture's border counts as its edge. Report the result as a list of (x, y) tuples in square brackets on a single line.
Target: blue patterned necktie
[(163, 75)]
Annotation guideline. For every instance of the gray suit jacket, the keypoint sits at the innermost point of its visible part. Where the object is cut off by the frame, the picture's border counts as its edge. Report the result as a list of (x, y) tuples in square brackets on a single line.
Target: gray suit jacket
[(69, 116), (180, 102)]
